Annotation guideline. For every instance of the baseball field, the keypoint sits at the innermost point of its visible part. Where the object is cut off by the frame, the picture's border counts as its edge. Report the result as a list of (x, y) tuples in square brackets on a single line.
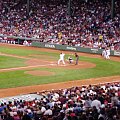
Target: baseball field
[(28, 69)]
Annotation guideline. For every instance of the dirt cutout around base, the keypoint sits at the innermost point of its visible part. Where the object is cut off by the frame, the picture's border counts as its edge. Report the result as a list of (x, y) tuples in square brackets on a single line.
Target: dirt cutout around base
[(40, 73)]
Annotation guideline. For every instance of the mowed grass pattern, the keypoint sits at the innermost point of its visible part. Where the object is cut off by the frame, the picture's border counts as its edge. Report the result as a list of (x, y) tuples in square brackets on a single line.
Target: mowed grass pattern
[(10, 62), (19, 78)]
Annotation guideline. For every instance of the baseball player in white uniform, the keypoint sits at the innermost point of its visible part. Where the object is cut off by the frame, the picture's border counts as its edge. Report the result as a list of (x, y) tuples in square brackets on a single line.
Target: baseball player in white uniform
[(61, 58), (108, 54), (104, 53)]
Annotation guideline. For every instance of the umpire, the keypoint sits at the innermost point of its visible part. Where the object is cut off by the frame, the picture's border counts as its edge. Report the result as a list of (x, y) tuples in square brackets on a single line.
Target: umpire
[(77, 58)]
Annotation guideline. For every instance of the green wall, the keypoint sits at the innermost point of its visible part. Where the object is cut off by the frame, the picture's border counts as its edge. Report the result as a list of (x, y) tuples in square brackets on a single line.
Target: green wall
[(73, 48)]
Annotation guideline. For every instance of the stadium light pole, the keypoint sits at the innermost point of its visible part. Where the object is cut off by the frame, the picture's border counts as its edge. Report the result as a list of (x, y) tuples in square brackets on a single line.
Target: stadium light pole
[(112, 8), (28, 7), (69, 7)]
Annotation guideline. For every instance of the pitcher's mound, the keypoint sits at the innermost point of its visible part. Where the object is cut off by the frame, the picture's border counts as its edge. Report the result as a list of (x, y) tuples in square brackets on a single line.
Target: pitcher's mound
[(40, 73)]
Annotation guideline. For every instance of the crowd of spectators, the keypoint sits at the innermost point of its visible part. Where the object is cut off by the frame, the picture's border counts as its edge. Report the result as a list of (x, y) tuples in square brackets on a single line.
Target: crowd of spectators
[(93, 102), (87, 24)]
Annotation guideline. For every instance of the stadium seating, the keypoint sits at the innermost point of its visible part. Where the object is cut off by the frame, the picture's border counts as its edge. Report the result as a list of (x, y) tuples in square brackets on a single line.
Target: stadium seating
[(93, 102), (90, 23)]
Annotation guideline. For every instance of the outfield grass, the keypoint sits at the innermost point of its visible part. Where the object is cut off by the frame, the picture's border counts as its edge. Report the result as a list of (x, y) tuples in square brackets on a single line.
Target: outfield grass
[(24, 52), (10, 62), (19, 78)]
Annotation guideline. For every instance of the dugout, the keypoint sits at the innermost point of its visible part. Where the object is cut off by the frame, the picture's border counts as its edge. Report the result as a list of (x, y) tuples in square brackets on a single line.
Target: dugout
[(16, 40)]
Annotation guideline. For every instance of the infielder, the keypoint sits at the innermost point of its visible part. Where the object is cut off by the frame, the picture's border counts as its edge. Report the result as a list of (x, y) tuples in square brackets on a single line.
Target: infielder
[(104, 53), (61, 58), (108, 54)]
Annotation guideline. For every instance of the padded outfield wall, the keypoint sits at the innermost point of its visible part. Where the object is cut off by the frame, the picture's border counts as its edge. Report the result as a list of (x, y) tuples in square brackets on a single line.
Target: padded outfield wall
[(73, 48)]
